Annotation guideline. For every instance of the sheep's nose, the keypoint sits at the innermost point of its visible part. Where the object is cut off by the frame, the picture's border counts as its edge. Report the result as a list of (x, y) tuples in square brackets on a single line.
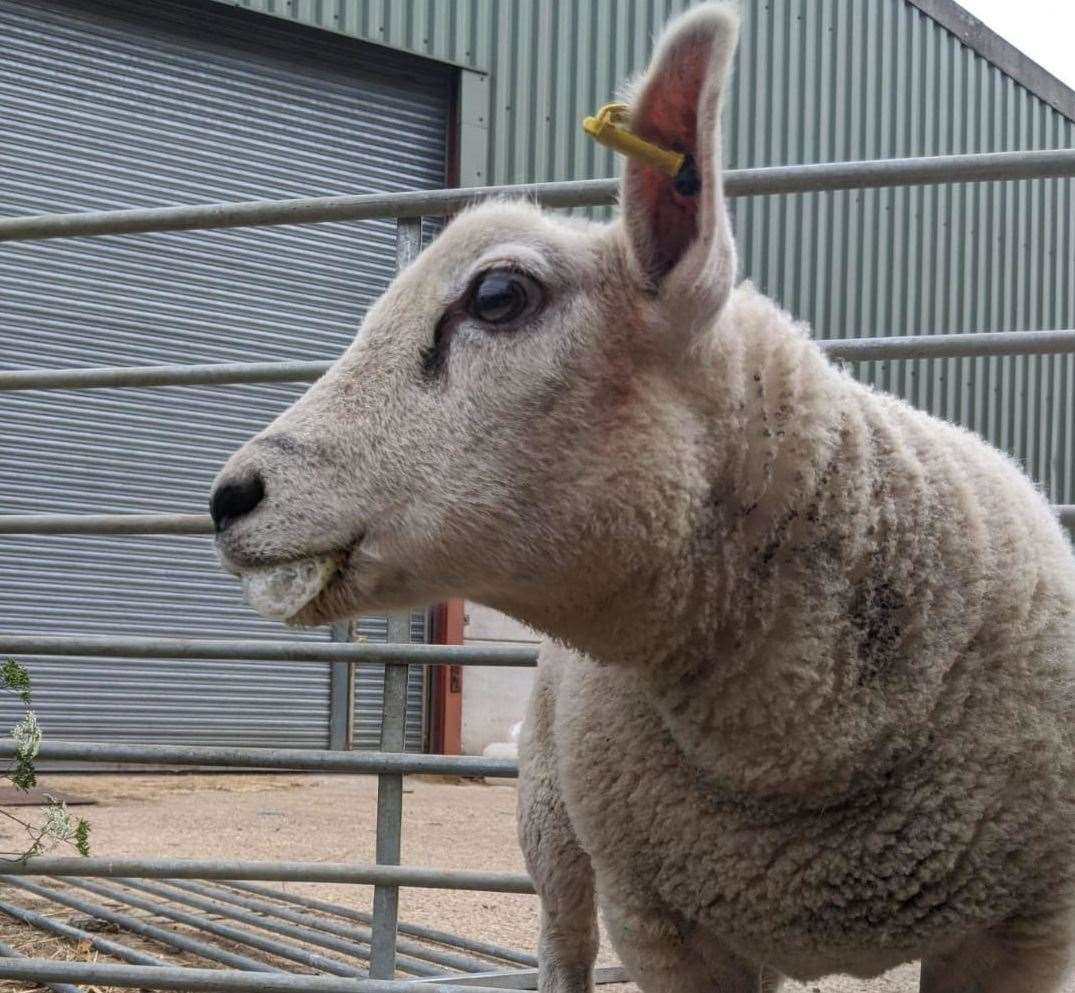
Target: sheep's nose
[(233, 499)]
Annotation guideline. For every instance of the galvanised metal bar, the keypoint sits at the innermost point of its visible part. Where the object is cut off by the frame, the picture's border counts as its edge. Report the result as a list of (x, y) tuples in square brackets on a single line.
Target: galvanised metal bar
[(413, 951), (390, 805), (950, 346), (203, 980), (13, 953), (120, 647), (843, 348), (970, 345), (202, 374), (341, 693), (305, 210), (307, 760), (172, 939), (75, 934), (383, 962), (527, 979), (486, 948), (198, 374), (276, 871), (105, 524), (239, 935), (186, 893), (849, 349), (581, 193)]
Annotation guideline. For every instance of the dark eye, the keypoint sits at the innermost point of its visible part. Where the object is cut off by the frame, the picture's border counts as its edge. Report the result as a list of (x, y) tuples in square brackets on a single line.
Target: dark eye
[(502, 296)]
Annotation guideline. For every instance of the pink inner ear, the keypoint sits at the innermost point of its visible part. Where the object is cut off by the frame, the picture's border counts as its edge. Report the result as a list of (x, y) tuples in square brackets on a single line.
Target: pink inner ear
[(672, 220), (667, 114)]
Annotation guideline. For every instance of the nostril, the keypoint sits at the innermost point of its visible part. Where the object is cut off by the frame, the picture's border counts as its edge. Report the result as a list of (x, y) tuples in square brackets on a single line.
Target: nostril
[(233, 499)]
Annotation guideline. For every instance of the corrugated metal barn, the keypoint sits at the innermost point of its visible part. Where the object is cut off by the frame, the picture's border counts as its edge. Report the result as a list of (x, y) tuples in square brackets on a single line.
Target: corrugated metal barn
[(115, 103)]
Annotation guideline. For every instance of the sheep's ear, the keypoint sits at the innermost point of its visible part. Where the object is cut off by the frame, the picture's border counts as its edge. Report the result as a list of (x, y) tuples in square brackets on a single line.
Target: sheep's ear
[(681, 242)]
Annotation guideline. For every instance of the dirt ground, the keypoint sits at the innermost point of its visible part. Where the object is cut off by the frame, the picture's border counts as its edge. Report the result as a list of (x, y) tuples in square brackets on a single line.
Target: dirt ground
[(462, 825)]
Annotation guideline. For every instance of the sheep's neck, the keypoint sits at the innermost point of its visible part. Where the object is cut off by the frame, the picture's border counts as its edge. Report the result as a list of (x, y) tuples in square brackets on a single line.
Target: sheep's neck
[(701, 622), (719, 651)]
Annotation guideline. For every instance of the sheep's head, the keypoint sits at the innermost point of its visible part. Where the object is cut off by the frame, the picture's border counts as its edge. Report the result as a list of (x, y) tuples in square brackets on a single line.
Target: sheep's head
[(515, 387)]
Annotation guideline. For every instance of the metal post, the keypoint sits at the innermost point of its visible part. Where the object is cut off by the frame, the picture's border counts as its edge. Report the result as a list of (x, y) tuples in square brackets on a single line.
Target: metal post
[(393, 729), (390, 806), (341, 693)]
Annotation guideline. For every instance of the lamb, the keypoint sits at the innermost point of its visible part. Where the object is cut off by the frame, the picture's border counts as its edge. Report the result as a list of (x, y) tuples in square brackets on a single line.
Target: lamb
[(806, 707)]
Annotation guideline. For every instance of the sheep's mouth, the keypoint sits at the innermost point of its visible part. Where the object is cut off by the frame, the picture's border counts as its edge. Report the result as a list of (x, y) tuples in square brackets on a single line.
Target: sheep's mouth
[(284, 589), (279, 591)]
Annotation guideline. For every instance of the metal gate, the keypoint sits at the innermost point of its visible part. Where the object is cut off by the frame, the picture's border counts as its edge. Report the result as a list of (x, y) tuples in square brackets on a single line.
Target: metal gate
[(388, 875), (121, 103)]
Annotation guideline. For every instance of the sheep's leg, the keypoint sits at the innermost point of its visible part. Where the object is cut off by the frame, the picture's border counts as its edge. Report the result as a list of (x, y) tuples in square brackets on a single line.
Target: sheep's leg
[(1027, 957), (664, 957), (567, 949), (560, 869)]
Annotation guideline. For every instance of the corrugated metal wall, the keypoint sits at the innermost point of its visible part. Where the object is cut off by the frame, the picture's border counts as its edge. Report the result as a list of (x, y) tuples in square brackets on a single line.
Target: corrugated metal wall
[(121, 104), (881, 79), (817, 80)]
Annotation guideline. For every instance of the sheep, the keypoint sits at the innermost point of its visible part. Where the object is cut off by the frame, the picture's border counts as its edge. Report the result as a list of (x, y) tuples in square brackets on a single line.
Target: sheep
[(806, 704)]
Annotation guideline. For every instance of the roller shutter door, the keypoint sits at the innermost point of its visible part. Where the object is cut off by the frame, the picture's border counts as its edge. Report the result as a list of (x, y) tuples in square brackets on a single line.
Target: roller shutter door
[(117, 103)]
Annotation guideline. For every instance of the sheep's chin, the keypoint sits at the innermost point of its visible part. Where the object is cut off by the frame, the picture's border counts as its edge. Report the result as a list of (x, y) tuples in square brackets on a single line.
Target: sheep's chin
[(280, 591)]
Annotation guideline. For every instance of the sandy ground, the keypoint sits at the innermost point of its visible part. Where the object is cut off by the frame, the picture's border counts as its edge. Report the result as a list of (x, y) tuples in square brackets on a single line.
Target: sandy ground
[(328, 818)]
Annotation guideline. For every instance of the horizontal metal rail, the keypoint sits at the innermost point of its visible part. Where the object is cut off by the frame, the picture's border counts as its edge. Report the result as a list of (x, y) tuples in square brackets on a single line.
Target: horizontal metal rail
[(206, 980), (527, 979), (123, 647), (975, 344), (105, 524), (291, 759), (486, 948), (763, 181), (147, 524), (295, 872), (194, 374)]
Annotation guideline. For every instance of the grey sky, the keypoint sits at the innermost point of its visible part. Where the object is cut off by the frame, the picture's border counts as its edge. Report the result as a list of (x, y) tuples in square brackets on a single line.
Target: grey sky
[(1043, 29)]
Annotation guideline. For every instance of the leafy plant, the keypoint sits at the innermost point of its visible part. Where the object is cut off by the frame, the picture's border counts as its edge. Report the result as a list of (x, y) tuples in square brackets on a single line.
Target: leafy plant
[(57, 826)]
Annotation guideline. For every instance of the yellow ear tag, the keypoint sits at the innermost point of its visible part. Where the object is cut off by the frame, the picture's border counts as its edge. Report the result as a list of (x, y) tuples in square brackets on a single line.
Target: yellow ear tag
[(607, 128)]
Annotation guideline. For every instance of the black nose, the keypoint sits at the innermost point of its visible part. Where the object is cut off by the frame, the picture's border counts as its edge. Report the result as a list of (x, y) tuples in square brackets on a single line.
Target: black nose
[(233, 499)]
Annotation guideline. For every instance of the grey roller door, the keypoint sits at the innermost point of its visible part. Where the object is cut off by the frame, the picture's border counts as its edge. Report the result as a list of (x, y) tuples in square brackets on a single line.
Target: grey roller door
[(119, 103)]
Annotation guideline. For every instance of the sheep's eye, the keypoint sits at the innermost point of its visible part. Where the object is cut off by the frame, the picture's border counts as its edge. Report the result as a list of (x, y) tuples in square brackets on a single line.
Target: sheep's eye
[(502, 296)]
